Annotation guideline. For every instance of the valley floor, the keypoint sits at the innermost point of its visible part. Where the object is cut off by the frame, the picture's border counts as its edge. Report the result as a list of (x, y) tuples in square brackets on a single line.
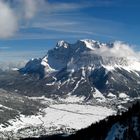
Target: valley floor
[(57, 117)]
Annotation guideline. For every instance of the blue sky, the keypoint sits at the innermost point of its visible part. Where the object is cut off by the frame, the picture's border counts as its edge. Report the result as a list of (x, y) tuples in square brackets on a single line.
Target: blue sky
[(36, 26)]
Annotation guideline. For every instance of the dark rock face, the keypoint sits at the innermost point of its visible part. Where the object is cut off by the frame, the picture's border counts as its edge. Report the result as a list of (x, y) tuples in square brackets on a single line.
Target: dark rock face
[(81, 82), (33, 67)]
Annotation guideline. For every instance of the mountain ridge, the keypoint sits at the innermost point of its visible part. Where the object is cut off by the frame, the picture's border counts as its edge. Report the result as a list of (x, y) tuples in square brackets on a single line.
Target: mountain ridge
[(88, 66), (89, 51), (80, 72)]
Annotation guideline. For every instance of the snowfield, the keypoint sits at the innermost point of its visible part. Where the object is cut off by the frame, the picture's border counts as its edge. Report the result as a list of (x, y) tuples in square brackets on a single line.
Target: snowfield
[(74, 116), (56, 118)]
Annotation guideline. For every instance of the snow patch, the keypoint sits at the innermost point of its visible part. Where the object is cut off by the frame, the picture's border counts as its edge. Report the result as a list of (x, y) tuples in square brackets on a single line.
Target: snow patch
[(123, 95), (110, 95), (98, 95), (109, 68), (2, 106), (72, 99), (62, 43)]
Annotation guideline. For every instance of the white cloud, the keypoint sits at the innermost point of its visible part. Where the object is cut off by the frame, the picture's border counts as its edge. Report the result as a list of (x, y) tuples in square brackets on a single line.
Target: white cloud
[(30, 8), (119, 49), (21, 15), (8, 21), (13, 14), (17, 13)]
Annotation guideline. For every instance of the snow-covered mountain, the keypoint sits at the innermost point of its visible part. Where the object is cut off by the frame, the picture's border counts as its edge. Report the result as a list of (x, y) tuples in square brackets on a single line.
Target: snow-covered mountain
[(80, 83), (88, 68), (82, 54)]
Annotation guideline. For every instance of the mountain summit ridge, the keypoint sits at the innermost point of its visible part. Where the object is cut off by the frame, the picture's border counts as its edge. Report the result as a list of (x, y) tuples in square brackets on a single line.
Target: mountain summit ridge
[(82, 53)]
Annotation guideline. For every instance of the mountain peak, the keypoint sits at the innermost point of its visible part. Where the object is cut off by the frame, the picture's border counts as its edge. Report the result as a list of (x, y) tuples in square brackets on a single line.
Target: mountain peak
[(90, 41), (62, 43), (92, 44)]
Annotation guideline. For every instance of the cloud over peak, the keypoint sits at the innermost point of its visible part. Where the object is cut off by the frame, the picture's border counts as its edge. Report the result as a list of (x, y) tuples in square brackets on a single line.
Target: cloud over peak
[(117, 49)]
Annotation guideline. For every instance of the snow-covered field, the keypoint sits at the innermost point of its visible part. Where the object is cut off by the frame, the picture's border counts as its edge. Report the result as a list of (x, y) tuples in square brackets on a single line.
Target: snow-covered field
[(74, 116), (57, 117)]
